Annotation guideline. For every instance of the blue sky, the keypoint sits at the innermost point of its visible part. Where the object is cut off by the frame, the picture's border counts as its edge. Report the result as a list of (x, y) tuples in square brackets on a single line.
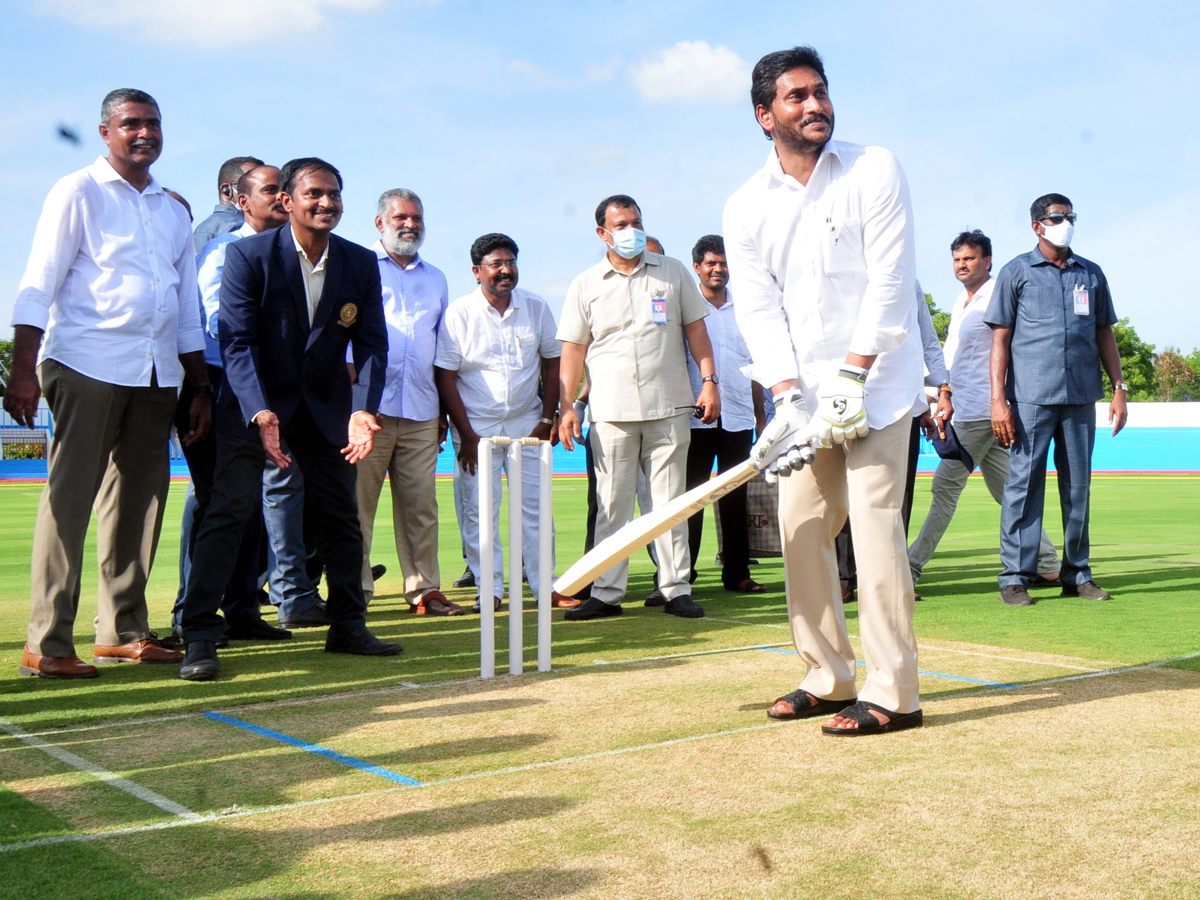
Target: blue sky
[(519, 117)]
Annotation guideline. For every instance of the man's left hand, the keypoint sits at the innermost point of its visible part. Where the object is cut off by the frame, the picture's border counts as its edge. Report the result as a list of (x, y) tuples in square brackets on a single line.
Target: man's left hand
[(1118, 412), (362, 437), (841, 408), (709, 402), (936, 423), (199, 420), (541, 431)]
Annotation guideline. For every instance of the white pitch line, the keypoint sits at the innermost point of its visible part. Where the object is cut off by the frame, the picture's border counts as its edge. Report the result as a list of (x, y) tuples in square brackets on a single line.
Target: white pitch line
[(111, 778)]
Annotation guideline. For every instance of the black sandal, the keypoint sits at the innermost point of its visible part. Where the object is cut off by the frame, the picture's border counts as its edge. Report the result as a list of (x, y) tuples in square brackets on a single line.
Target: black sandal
[(803, 707), (860, 712)]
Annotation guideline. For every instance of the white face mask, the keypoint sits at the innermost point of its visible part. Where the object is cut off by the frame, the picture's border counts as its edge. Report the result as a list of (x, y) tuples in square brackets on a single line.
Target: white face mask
[(1059, 235)]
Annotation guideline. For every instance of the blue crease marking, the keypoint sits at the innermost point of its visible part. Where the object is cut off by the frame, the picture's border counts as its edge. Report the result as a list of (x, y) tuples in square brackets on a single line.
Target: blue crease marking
[(317, 749), (920, 672)]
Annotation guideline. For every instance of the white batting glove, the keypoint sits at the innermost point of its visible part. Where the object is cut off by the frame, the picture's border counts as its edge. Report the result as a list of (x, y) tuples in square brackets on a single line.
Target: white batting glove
[(841, 414), (779, 450)]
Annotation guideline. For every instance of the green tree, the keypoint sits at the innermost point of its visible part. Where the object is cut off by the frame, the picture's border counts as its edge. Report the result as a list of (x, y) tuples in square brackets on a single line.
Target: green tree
[(1137, 364), (941, 320), (1177, 380), (6, 348)]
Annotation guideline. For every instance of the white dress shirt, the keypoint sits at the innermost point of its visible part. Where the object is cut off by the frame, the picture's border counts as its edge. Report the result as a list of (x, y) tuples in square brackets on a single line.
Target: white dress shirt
[(313, 276), (828, 269), (111, 280), (730, 356), (968, 355), (936, 373), (498, 359), (209, 266), (415, 298)]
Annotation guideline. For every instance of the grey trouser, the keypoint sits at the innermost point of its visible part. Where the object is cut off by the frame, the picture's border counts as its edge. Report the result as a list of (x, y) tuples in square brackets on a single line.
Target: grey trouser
[(948, 482), (109, 449), (405, 450)]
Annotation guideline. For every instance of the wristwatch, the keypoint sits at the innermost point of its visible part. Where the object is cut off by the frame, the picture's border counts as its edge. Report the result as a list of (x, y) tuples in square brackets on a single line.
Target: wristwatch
[(1121, 386), (546, 421), (712, 378)]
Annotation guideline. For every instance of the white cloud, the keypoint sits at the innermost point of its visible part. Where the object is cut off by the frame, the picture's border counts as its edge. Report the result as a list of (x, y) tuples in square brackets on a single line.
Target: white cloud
[(204, 23), (537, 76), (605, 71), (693, 72)]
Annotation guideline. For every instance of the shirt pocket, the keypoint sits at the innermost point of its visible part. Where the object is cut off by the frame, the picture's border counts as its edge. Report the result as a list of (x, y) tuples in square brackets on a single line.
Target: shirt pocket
[(658, 289), (609, 314), (523, 346), (1040, 303)]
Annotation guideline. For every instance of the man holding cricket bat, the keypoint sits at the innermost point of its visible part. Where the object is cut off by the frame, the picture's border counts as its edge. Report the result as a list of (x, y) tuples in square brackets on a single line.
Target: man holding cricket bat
[(821, 259)]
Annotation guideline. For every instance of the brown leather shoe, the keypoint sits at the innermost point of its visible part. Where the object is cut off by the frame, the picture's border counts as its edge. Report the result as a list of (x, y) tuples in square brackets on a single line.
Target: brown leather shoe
[(434, 603), (147, 651), (55, 666), (562, 601)]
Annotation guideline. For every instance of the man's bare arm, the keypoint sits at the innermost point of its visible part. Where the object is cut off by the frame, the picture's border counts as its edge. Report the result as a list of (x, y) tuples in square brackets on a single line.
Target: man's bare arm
[(570, 372), (23, 390), (1002, 418), (696, 334), (1110, 358)]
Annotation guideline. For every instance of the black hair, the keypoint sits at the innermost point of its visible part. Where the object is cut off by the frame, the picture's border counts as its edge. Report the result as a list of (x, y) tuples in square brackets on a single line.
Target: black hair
[(976, 239), (293, 168), (710, 243), (489, 243), (113, 99), (1044, 202), (768, 69), (621, 201), (231, 169)]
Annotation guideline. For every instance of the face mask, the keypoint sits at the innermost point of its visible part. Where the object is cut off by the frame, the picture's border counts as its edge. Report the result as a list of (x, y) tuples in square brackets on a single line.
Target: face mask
[(628, 242), (1059, 235)]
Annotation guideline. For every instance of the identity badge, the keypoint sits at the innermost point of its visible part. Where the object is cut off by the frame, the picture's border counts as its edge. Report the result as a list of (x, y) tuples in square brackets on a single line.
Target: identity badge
[(658, 310), (1081, 300)]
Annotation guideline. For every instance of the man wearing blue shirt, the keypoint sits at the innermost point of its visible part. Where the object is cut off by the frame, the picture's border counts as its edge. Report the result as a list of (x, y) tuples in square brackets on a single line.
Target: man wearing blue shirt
[(1051, 316), (227, 214)]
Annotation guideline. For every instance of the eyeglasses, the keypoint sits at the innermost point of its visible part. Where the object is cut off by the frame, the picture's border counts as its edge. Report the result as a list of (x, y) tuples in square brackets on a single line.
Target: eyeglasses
[(502, 264), (1058, 218)]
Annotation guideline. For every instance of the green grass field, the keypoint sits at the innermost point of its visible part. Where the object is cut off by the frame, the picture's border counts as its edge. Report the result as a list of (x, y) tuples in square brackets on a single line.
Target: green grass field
[(1057, 760)]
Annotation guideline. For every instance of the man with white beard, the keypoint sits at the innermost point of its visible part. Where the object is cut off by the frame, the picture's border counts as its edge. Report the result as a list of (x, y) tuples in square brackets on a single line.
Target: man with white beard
[(415, 296)]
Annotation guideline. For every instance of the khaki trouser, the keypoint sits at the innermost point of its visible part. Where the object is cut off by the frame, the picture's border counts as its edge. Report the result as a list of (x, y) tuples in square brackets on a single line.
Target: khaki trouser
[(406, 451), (865, 479), (109, 449), (659, 448)]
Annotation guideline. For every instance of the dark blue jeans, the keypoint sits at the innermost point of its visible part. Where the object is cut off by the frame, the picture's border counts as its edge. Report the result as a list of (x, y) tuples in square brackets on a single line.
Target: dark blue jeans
[(1073, 430)]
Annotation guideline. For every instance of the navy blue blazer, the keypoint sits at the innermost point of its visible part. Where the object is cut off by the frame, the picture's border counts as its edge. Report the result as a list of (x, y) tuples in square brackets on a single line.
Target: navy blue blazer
[(273, 359)]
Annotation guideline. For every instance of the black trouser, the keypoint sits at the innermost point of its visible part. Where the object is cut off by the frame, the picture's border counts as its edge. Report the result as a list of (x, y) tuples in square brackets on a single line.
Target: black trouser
[(328, 479), (728, 448), (240, 601)]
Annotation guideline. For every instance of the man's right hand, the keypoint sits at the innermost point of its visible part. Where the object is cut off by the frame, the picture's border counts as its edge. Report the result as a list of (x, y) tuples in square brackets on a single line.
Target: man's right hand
[(468, 451), (268, 430), (22, 393), (569, 430), (1002, 422)]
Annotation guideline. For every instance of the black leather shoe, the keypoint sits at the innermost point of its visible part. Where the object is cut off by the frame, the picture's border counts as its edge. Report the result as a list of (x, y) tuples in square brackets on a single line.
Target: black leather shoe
[(466, 579), (257, 630), (313, 617), (593, 609), (684, 607), (1089, 590), (656, 598), (378, 571), (200, 662), (357, 639)]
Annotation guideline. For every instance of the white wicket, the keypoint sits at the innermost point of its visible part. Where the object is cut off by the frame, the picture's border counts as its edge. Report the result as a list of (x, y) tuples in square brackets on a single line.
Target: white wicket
[(487, 613)]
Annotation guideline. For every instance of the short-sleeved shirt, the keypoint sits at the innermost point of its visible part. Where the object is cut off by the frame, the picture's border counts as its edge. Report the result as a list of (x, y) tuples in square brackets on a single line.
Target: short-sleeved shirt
[(632, 326), (1054, 358), (498, 359), (968, 354)]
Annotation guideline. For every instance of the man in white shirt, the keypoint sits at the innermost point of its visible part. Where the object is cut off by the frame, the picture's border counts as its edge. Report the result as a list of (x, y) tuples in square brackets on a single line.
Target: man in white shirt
[(412, 425), (726, 441), (628, 317), (257, 194), (820, 249), (111, 283), (968, 355), (494, 347)]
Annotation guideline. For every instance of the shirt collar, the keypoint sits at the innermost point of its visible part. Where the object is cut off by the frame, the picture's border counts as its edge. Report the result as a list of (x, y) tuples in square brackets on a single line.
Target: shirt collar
[(726, 305), (246, 230), (1039, 258), (320, 266), (103, 171), (381, 253), (775, 168), (649, 258), (514, 302)]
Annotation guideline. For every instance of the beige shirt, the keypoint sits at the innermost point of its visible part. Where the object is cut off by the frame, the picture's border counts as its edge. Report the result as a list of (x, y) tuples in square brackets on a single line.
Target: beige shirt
[(314, 277), (637, 365)]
